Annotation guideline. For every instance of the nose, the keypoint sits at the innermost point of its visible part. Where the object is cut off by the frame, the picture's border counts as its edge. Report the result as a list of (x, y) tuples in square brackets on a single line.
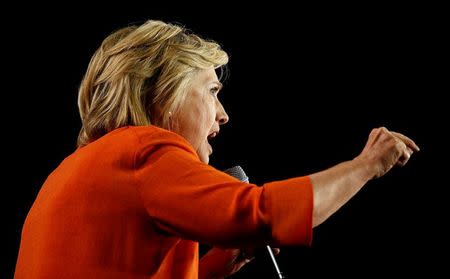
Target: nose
[(221, 115)]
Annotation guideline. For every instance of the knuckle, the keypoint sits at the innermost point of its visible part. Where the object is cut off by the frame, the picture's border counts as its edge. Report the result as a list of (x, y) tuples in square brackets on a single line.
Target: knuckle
[(400, 144), (393, 142)]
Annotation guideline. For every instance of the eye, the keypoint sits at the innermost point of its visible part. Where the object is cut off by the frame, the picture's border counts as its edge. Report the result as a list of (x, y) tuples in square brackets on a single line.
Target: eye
[(214, 90)]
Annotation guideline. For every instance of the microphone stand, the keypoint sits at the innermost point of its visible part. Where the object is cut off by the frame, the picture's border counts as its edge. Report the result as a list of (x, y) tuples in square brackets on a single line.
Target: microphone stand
[(272, 256)]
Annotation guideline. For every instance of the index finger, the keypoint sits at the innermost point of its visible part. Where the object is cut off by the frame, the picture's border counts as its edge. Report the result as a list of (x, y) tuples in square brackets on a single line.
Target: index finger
[(409, 142)]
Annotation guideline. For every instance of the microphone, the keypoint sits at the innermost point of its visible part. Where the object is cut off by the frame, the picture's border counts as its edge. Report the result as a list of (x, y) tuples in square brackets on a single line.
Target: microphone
[(238, 172)]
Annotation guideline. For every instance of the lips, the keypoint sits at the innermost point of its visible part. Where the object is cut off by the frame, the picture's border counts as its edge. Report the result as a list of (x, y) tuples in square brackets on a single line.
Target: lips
[(213, 135)]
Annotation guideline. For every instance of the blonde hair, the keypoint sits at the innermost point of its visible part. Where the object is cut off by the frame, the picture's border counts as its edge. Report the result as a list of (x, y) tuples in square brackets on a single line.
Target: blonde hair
[(140, 75)]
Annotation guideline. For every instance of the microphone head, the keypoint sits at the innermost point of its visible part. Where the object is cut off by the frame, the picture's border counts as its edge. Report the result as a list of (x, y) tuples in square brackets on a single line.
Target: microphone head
[(237, 172)]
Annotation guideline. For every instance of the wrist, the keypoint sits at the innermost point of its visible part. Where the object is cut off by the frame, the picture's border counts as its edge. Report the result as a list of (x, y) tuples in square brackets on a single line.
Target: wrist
[(364, 168)]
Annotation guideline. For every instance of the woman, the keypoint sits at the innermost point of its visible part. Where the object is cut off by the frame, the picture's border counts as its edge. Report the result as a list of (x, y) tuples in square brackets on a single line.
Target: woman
[(137, 196)]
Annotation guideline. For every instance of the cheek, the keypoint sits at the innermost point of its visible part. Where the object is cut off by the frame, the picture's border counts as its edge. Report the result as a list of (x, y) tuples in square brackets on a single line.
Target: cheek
[(205, 113), (194, 127), (195, 122), (204, 121), (211, 111)]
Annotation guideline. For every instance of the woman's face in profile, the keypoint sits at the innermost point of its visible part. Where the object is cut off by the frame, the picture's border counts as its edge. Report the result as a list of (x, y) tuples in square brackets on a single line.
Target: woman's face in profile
[(201, 113)]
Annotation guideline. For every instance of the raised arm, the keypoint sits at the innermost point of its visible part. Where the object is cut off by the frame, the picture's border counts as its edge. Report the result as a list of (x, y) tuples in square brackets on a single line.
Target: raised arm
[(333, 187)]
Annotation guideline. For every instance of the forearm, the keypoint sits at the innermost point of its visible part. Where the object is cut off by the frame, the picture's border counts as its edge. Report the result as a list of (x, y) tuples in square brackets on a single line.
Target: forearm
[(335, 186)]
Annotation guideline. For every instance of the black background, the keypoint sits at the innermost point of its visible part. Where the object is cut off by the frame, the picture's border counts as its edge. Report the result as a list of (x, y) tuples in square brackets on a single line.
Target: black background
[(306, 86)]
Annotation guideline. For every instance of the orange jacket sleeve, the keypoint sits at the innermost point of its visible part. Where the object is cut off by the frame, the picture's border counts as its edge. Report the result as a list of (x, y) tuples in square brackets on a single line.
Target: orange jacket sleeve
[(190, 199)]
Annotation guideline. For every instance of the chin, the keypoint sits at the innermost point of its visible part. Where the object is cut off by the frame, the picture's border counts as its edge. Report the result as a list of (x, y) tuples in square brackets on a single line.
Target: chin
[(203, 154), (204, 159)]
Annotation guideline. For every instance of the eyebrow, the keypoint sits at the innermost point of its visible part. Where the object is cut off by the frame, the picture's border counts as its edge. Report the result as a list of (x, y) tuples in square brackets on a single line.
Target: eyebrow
[(218, 84)]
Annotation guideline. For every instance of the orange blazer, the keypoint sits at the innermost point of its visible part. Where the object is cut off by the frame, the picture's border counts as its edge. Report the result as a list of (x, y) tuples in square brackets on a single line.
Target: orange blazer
[(136, 202)]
